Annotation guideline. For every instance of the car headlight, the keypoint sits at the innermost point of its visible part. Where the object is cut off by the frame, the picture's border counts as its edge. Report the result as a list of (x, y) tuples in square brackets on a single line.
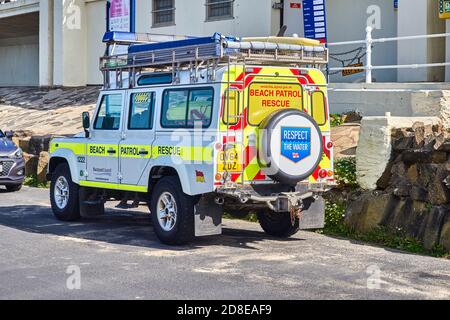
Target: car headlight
[(18, 154)]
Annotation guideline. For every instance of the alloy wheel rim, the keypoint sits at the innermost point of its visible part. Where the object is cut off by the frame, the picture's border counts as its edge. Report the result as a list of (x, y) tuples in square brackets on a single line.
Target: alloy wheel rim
[(61, 192), (167, 211)]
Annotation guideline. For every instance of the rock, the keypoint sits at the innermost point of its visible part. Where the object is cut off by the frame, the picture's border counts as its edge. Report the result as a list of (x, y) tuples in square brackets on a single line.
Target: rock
[(431, 227), (44, 158), (352, 117), (402, 188), (402, 144), (438, 192), (421, 156), (24, 144), (31, 163), (38, 144), (419, 134), (418, 193), (385, 178), (439, 142), (23, 133), (402, 139), (445, 230), (413, 173), (368, 213), (355, 210)]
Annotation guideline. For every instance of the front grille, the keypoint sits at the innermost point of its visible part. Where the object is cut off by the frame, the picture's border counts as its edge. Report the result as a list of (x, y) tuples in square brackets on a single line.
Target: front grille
[(7, 165)]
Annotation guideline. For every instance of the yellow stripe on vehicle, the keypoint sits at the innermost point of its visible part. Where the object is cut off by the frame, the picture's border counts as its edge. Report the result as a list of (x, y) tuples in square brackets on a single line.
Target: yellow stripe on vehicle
[(204, 154), (76, 148), (112, 186), (135, 151), (101, 150)]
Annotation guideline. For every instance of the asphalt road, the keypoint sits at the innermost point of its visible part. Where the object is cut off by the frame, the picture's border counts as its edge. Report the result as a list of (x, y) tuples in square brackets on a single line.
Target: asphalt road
[(118, 256)]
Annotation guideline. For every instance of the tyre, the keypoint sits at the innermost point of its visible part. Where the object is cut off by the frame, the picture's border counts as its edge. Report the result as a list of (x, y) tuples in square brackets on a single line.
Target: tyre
[(14, 188), (64, 194), (278, 224), (172, 212)]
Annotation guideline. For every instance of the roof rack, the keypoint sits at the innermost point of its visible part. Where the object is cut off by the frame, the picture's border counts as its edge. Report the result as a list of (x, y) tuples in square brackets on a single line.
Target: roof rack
[(174, 53)]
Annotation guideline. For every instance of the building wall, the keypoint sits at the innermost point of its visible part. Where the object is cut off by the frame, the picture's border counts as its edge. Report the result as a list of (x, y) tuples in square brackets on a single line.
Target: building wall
[(96, 25), (347, 21), (251, 17), (19, 62)]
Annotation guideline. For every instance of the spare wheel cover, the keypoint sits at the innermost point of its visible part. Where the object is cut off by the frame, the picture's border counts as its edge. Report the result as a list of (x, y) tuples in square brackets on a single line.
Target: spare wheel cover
[(292, 146)]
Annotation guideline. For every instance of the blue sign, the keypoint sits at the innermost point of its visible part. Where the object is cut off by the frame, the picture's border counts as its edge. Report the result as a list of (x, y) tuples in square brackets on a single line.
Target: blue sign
[(314, 19), (295, 143)]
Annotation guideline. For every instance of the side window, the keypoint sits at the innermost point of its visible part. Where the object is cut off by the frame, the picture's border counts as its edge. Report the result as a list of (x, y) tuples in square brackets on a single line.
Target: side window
[(110, 111), (174, 108), (230, 107), (200, 107), (141, 111), (318, 107), (183, 108)]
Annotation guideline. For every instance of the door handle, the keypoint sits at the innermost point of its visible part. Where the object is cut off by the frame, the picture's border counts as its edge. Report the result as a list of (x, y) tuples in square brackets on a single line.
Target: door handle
[(112, 151), (143, 152)]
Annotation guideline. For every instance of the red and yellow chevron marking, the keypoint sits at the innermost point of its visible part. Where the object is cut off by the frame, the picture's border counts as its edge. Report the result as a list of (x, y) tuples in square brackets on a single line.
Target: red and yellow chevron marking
[(240, 80)]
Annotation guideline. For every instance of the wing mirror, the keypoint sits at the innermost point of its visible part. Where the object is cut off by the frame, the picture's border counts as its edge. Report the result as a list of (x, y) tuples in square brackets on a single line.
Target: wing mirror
[(9, 134), (86, 123)]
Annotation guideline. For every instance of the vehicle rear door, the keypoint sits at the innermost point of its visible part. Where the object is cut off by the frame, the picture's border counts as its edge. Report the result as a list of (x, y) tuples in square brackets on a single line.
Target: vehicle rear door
[(103, 145), (136, 146)]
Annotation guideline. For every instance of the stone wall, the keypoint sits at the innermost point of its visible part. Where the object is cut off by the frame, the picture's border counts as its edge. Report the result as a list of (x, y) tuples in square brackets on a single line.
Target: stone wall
[(374, 147), (35, 152), (412, 194)]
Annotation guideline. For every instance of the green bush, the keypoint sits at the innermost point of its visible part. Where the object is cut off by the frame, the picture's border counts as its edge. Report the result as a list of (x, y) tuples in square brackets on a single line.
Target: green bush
[(336, 120), (345, 172), (32, 181), (334, 214)]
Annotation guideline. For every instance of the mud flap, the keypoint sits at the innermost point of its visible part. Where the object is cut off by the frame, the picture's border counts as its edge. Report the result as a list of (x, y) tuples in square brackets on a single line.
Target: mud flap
[(208, 217), (314, 216), (89, 210)]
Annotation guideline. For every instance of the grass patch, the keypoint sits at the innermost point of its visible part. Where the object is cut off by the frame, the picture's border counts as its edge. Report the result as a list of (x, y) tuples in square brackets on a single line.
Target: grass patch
[(32, 181)]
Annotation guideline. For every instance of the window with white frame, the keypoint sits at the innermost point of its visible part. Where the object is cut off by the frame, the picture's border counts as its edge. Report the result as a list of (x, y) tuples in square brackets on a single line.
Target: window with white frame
[(163, 12), (219, 9)]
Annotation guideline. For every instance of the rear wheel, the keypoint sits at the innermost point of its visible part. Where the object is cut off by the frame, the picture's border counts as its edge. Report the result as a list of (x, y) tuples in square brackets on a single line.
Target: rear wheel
[(172, 212), (64, 194), (14, 188), (278, 224)]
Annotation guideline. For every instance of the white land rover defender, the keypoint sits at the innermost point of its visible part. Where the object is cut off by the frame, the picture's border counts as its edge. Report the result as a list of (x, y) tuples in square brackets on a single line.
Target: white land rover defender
[(197, 127)]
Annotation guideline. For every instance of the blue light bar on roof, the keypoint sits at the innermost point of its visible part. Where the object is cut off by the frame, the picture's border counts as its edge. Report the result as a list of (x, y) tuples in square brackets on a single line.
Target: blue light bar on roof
[(129, 38)]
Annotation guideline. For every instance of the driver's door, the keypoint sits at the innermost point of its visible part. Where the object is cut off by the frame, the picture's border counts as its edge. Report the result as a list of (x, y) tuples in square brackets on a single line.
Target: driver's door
[(103, 145)]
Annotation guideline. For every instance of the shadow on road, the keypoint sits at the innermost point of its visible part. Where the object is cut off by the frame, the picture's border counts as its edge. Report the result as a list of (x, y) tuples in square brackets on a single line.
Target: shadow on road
[(117, 227)]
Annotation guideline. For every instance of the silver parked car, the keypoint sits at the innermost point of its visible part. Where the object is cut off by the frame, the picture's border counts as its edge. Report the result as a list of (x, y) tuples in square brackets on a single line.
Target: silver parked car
[(12, 164)]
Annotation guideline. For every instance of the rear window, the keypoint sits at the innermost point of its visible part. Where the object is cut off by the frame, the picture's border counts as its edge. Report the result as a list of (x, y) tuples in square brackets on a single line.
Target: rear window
[(318, 107), (182, 108)]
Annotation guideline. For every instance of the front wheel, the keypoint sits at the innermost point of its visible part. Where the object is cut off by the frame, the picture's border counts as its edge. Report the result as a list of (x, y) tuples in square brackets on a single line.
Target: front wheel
[(278, 224), (172, 212), (64, 195)]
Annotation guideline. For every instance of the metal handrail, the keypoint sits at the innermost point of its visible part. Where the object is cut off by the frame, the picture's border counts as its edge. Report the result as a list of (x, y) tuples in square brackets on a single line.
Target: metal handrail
[(368, 45)]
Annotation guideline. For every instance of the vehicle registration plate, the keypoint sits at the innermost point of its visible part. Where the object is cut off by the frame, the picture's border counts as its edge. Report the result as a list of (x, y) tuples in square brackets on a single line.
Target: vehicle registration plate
[(230, 161)]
